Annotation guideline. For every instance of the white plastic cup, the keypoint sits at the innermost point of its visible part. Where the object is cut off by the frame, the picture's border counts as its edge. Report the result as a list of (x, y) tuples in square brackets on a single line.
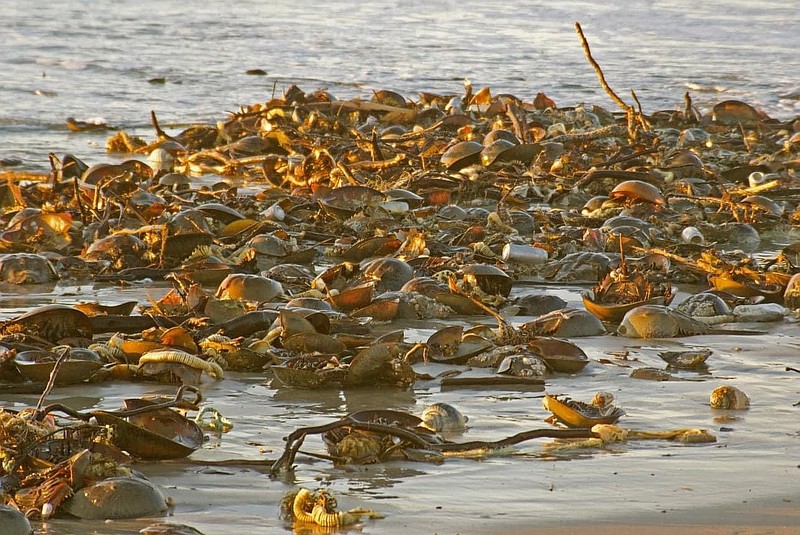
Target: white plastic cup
[(523, 254), (693, 235), (274, 213)]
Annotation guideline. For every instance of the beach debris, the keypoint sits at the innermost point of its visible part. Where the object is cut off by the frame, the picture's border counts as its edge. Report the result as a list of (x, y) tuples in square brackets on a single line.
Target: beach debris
[(296, 233)]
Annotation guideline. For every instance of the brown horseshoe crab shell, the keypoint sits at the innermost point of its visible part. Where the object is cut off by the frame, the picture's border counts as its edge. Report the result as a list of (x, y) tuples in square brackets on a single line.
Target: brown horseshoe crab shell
[(38, 365), (346, 201), (51, 322), (659, 321), (490, 279), (116, 498), (26, 268), (559, 355), (154, 435), (462, 155), (637, 190)]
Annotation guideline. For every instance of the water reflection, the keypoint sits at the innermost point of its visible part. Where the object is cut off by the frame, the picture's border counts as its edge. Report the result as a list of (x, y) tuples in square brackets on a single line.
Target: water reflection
[(337, 402)]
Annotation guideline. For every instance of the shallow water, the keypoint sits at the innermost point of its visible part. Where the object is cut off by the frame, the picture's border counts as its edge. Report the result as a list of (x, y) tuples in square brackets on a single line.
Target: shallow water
[(755, 457), (94, 60)]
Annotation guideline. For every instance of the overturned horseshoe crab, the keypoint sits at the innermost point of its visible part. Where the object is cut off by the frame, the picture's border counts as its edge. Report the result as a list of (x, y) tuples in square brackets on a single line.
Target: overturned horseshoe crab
[(574, 413)]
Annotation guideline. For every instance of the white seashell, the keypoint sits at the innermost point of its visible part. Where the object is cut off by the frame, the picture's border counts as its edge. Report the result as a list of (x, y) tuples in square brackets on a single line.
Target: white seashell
[(693, 235)]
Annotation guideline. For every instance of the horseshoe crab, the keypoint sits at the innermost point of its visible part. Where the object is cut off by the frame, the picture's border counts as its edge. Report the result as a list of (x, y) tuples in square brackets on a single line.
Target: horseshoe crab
[(588, 267), (249, 288), (489, 279), (637, 191), (13, 521), (707, 307), (686, 359), (450, 345), (116, 498), (516, 360), (26, 268), (564, 323), (380, 364), (120, 250), (389, 274), (461, 155), (152, 431), (443, 418), (559, 355), (347, 201), (729, 397), (37, 366), (310, 372), (622, 290), (52, 323), (659, 321)]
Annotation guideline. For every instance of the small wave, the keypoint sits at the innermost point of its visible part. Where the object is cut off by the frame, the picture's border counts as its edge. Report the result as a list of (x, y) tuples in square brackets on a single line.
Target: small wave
[(68, 64), (792, 94), (44, 93), (701, 88)]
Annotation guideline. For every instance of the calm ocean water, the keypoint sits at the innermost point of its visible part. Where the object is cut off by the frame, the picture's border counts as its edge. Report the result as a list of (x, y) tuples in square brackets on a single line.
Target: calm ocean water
[(93, 60)]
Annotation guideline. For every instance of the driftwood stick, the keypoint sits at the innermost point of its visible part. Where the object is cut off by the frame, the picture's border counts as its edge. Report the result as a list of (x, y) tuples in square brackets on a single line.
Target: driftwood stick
[(634, 118), (600, 76), (53, 375)]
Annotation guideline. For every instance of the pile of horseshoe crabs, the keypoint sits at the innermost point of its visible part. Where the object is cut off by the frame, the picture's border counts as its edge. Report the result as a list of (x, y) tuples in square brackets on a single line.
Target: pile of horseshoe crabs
[(300, 236)]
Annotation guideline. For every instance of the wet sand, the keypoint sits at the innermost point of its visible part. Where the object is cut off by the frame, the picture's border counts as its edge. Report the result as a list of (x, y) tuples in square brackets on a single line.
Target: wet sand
[(747, 483), (762, 517)]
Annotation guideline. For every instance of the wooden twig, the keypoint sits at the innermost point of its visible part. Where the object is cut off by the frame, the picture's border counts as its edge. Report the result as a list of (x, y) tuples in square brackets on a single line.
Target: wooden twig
[(633, 117), (585, 44), (52, 380), (640, 118)]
